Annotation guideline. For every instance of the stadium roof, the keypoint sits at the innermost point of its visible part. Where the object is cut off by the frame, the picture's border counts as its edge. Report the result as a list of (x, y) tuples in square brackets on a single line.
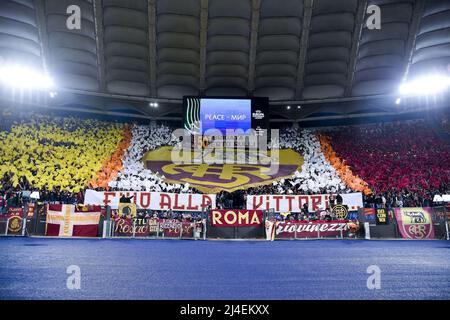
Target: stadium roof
[(318, 54)]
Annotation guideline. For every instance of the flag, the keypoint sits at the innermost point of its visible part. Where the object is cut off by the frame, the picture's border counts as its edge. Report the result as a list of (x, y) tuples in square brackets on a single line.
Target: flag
[(270, 229), (66, 220), (127, 210)]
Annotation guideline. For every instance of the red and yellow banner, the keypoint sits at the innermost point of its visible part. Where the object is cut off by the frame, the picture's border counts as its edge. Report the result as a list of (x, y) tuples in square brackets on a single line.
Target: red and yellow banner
[(67, 220), (415, 223), (236, 218)]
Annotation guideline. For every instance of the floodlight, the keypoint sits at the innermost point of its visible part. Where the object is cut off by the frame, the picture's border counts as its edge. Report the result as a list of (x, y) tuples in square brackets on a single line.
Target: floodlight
[(426, 85), (23, 77)]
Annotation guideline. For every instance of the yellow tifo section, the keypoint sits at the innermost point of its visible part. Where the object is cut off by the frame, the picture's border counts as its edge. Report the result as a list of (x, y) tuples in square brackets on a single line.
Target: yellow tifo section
[(57, 152), (212, 178)]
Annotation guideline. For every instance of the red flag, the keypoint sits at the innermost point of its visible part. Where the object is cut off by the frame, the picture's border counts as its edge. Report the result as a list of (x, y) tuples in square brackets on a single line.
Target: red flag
[(66, 220)]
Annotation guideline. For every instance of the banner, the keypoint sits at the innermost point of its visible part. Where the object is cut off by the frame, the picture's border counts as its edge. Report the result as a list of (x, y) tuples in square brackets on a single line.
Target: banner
[(270, 230), (127, 210), (15, 224), (124, 227), (340, 211), (381, 216), (439, 214), (415, 223), (315, 229), (369, 214), (30, 212), (236, 218), (294, 203), (154, 227), (152, 200), (15, 211), (68, 220), (15, 221), (172, 228)]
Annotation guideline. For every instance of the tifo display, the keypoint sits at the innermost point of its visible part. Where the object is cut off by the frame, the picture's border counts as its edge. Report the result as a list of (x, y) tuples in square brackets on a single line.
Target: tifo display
[(320, 181)]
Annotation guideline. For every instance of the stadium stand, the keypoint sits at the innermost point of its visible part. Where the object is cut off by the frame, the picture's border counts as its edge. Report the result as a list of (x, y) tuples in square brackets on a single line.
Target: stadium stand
[(395, 165), (134, 176), (61, 157), (55, 155)]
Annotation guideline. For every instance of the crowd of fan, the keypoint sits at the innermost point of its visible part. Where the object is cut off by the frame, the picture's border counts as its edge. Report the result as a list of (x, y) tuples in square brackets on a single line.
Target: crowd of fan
[(404, 162), (134, 176), (59, 156), (53, 156)]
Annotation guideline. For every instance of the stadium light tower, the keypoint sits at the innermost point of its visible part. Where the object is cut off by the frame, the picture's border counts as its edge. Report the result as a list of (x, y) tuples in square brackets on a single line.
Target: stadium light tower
[(426, 85), (17, 76)]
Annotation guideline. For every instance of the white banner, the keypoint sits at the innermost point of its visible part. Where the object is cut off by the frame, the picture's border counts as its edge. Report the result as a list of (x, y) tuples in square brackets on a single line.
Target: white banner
[(152, 200), (294, 203)]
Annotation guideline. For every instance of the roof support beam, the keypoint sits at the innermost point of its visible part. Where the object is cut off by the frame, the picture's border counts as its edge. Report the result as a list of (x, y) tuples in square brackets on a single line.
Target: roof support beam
[(307, 111), (167, 110), (413, 30), (281, 113), (256, 7), (357, 30), (151, 11), (307, 13), (98, 21), (203, 39), (144, 110), (42, 28)]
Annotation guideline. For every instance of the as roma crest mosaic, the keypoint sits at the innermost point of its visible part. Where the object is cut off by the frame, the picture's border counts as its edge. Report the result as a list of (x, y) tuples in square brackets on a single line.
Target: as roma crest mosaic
[(212, 178)]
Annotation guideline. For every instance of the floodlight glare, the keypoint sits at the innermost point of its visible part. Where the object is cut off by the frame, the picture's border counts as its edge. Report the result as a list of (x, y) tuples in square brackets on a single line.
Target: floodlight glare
[(23, 77), (427, 85)]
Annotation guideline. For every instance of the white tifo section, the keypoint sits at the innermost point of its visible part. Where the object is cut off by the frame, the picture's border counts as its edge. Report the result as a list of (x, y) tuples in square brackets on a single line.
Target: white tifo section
[(317, 174), (134, 176)]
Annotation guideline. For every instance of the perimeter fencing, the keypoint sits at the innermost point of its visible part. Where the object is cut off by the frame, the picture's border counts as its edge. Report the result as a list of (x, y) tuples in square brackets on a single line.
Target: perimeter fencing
[(372, 223)]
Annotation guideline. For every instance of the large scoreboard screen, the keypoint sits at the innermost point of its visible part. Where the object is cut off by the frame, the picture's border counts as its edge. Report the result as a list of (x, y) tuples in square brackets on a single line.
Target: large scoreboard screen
[(201, 114)]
